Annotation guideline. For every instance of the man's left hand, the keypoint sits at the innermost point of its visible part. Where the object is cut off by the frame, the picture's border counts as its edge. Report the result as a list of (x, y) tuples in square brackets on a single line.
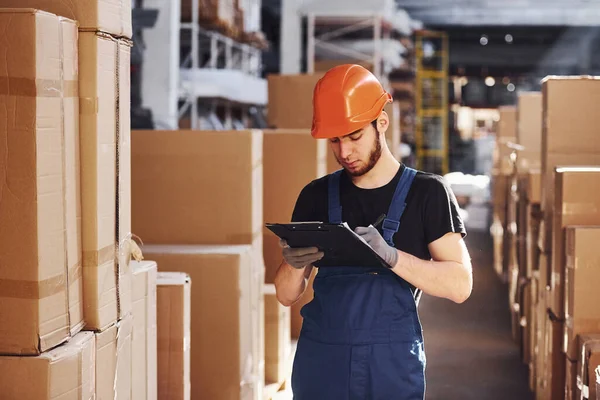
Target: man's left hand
[(378, 243)]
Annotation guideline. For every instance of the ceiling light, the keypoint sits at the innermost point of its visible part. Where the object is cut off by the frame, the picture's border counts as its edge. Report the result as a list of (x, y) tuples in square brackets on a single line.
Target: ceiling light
[(508, 38), (510, 87), (490, 81), (483, 40), (506, 80)]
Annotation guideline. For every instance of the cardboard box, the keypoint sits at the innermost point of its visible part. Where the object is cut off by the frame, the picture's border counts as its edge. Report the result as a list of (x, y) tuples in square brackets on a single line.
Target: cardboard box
[(34, 308), (525, 317), (507, 125), (277, 337), (173, 203), (144, 336), (173, 327), (113, 361), (569, 130), (70, 99), (98, 119), (123, 177), (66, 369), (529, 129), (532, 322), (588, 361), (108, 16), (291, 112), (227, 331), (582, 315), (534, 186), (280, 187), (104, 110), (575, 204)]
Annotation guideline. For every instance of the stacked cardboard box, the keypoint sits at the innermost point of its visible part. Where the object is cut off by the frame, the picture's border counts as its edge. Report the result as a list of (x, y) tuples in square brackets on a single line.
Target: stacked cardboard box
[(227, 353), (277, 338), (40, 271), (67, 371), (204, 189), (567, 140), (144, 336), (582, 319), (173, 313)]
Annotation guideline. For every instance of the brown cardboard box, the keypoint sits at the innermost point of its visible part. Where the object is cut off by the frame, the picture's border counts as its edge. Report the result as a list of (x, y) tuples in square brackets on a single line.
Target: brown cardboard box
[(108, 16), (291, 112), (105, 177), (532, 322), (70, 71), (178, 199), (503, 149), (582, 276), (173, 326), (534, 186), (525, 316), (575, 204), (98, 108), (123, 177), (65, 370), (571, 380), (113, 361), (284, 148), (555, 358), (534, 217), (588, 361), (144, 337), (507, 125), (34, 308), (529, 129), (277, 337), (569, 131), (227, 331)]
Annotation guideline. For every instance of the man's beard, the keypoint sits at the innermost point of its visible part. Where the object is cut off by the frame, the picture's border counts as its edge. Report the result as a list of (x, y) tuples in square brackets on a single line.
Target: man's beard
[(374, 156)]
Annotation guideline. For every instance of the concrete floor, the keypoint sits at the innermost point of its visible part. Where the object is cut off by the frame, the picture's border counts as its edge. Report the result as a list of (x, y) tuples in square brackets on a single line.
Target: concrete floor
[(470, 352)]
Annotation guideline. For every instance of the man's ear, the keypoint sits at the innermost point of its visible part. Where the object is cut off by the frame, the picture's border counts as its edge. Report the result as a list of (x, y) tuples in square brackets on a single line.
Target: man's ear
[(383, 122)]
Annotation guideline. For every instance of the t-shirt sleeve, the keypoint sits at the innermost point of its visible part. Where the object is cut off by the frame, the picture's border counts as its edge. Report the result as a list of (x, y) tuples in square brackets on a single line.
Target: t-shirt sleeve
[(441, 214), (304, 210)]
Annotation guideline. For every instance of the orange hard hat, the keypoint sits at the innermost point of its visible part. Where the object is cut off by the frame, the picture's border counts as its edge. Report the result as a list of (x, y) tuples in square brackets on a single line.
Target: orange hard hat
[(345, 99)]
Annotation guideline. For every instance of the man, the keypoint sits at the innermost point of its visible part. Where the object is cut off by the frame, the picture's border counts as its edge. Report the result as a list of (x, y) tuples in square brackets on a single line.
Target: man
[(361, 336)]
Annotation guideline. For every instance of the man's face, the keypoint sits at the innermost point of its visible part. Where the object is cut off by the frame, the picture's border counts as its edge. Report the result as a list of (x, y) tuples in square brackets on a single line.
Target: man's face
[(358, 152)]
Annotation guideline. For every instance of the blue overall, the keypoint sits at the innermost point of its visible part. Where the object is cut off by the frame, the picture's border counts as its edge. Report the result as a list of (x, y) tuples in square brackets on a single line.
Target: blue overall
[(361, 337)]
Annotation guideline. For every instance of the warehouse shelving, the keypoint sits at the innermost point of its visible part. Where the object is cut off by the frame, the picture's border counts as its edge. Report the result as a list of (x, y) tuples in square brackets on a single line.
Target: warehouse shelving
[(190, 65), (329, 22), (223, 73), (431, 101)]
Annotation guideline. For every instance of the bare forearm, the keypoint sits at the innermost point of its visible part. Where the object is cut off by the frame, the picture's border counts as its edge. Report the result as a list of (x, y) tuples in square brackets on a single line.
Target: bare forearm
[(447, 279), (290, 284)]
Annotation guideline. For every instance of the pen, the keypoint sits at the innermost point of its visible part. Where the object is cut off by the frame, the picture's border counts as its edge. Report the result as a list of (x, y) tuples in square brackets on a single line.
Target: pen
[(379, 220)]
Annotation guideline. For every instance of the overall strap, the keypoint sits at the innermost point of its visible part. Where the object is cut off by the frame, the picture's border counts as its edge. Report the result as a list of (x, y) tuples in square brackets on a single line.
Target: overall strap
[(335, 206), (391, 223)]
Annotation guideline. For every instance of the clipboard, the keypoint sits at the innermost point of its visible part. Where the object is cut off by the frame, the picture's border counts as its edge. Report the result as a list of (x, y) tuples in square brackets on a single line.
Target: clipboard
[(341, 245)]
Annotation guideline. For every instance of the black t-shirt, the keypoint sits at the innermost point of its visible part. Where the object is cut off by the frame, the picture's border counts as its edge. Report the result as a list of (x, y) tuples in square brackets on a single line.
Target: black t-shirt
[(431, 210)]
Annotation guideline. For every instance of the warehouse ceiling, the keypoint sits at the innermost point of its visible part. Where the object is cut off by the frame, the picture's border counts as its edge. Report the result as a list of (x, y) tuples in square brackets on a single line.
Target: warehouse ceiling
[(504, 12)]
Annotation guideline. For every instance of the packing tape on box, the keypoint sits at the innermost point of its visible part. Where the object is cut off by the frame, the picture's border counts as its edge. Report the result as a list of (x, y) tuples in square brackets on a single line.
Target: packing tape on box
[(26, 87), (173, 345), (75, 272), (88, 105), (32, 290), (95, 258)]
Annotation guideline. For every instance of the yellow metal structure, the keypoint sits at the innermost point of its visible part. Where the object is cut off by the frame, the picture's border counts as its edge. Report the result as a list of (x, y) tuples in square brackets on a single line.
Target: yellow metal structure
[(431, 98)]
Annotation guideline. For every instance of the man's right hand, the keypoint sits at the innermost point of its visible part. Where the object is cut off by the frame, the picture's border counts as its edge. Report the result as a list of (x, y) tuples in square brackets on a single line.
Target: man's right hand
[(300, 257)]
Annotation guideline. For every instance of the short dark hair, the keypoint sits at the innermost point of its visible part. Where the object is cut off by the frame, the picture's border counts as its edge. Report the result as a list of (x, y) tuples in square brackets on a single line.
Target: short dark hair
[(374, 123)]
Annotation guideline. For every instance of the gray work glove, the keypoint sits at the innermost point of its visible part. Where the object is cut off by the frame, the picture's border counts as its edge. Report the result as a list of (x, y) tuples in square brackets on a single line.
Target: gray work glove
[(378, 243), (300, 257)]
